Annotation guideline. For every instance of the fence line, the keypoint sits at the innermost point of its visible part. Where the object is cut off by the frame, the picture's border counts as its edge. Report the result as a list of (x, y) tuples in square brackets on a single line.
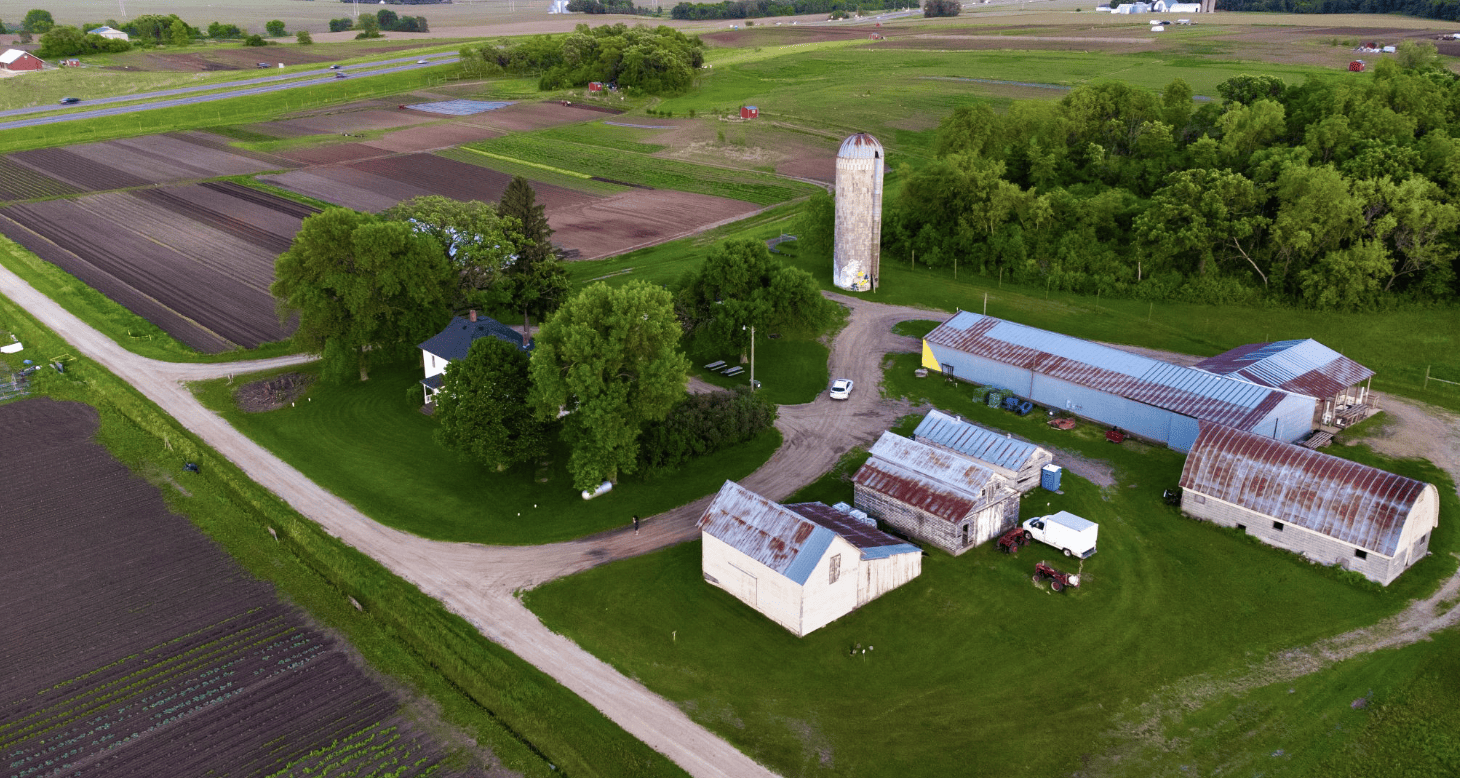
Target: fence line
[(1429, 378)]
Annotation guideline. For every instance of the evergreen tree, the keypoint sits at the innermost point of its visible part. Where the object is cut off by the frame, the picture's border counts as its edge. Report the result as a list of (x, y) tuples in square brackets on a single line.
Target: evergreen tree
[(536, 282)]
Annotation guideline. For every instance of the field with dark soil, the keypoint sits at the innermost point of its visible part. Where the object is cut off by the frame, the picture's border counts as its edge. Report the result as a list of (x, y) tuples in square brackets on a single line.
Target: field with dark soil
[(195, 260), (135, 647), (149, 159)]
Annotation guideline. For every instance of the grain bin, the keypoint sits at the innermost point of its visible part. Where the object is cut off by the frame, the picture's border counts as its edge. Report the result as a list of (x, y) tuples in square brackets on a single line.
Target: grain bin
[(859, 166)]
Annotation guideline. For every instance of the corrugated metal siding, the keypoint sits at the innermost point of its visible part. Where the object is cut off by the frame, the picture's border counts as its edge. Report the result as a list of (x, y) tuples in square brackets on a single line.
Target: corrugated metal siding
[(759, 528), (1290, 420), (1354, 503), (863, 536), (883, 552), (1302, 366), (944, 466), (975, 441), (987, 350)]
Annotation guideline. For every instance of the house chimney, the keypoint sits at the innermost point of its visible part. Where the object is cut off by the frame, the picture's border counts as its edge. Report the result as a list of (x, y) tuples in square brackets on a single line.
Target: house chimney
[(471, 315)]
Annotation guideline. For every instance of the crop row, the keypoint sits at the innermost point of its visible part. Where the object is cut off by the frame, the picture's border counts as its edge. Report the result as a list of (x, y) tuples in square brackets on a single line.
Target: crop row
[(73, 168), (656, 172), (537, 173), (18, 182), (608, 136)]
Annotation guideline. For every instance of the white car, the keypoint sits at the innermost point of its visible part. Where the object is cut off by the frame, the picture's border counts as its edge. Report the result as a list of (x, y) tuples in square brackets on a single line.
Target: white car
[(841, 389)]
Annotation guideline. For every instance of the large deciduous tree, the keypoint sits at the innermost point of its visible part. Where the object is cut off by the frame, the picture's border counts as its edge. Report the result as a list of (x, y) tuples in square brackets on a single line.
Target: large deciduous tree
[(610, 357), (741, 285), (475, 241), (37, 21), (816, 230), (536, 282), (482, 406), (362, 286)]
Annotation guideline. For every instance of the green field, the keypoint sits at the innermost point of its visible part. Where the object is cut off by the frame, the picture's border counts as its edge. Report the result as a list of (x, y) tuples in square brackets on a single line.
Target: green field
[(971, 669), (642, 170), (345, 437)]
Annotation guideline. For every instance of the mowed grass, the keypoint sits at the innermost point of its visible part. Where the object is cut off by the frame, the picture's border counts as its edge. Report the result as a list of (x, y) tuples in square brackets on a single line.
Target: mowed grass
[(610, 136), (370, 444), (972, 669), (790, 370), (642, 170)]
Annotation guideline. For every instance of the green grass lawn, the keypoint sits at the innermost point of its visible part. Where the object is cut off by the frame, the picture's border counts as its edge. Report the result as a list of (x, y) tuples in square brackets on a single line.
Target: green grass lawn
[(369, 444), (790, 370), (972, 669)]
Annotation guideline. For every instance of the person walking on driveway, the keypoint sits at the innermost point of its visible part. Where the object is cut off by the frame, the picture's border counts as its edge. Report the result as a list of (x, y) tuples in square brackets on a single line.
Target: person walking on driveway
[(636, 524)]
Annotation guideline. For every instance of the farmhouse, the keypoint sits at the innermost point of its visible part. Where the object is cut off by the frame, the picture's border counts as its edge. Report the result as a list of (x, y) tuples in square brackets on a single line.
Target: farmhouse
[(1340, 384), (803, 566), (935, 494), (15, 59), (1330, 510), (1146, 397), (108, 32), (1016, 460), (455, 341)]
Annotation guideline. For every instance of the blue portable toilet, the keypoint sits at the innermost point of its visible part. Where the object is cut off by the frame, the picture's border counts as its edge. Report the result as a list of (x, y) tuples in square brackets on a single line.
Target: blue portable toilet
[(1049, 477)]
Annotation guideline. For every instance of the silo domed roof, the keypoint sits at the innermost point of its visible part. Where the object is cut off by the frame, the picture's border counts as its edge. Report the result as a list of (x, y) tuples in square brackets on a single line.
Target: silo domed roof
[(861, 146)]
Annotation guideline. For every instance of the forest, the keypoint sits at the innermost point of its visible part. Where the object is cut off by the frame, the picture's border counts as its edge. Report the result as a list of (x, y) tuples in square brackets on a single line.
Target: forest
[(1428, 9), (755, 9), (660, 60), (1338, 193)]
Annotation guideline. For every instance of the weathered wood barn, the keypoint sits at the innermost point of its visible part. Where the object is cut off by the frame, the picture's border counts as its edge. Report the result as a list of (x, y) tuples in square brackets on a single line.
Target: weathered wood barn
[(803, 565), (934, 494), (1330, 510), (1146, 397), (1339, 385), (1017, 460)]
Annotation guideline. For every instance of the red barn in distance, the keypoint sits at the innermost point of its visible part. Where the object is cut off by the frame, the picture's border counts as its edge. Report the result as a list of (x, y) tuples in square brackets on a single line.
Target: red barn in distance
[(749, 112), (595, 86), (15, 59)]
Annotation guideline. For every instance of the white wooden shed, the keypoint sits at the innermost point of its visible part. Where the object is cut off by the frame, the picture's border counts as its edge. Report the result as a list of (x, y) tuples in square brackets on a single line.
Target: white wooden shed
[(803, 566), (1017, 460)]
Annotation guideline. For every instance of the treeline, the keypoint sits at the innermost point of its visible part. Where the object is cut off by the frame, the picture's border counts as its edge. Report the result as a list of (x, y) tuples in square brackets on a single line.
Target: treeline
[(660, 60), (1428, 9), (755, 9), (371, 25), (611, 7), (1337, 193)]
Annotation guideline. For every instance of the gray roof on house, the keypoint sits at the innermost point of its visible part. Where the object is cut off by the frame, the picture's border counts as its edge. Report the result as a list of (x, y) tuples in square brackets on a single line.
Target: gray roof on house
[(433, 382), (940, 482), (785, 540), (974, 441), (455, 341)]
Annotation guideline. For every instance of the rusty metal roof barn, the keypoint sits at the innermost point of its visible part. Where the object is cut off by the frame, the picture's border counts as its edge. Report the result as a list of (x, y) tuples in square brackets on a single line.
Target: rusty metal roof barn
[(788, 540), (1183, 390), (975, 441), (1354, 503), (945, 485), (1301, 366)]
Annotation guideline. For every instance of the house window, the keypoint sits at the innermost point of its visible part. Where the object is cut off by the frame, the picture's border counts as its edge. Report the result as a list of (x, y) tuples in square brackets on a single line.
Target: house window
[(1361, 554), (1278, 526), (834, 570), (1201, 500)]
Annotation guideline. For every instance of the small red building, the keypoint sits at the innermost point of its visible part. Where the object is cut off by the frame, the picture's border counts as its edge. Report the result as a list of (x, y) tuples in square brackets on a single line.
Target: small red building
[(749, 112), (1358, 66), (15, 59), (595, 86)]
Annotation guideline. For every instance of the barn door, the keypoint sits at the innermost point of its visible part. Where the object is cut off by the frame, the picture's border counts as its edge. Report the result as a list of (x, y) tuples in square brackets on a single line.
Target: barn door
[(743, 585)]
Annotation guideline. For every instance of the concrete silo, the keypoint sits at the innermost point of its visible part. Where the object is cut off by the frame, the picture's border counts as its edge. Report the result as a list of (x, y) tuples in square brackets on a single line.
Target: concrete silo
[(858, 213)]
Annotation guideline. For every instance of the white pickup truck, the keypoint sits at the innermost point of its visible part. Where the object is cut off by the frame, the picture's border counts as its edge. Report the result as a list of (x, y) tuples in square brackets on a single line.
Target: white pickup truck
[(1065, 531)]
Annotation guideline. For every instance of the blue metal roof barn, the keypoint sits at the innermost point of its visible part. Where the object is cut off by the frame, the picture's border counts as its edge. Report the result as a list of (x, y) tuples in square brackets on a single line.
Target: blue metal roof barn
[(1147, 397)]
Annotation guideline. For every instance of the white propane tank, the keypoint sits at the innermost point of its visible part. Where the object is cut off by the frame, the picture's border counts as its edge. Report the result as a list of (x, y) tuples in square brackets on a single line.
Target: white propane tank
[(1075, 579), (603, 488)]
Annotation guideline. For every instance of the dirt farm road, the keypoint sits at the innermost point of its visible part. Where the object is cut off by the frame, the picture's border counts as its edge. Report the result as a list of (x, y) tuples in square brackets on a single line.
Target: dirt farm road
[(479, 582)]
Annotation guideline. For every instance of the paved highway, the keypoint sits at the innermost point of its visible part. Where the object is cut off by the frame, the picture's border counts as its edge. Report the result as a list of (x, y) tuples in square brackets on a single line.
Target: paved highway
[(253, 86)]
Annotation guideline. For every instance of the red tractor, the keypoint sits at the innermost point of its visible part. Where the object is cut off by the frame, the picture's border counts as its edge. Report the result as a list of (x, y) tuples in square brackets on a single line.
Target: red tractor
[(1057, 580), (1013, 540)]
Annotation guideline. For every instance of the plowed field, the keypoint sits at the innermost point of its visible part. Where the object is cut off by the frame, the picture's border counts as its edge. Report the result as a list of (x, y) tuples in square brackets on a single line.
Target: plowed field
[(18, 182), (150, 159), (135, 647), (195, 260)]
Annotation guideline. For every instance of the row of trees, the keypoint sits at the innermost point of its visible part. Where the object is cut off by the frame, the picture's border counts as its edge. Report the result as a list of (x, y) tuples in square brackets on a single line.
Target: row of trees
[(146, 31), (755, 9), (371, 25), (660, 60), (1429, 9), (1335, 193), (611, 7)]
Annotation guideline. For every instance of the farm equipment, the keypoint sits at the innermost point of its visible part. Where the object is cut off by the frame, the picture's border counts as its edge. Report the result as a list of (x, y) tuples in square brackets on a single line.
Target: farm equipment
[(1021, 407), (1062, 424), (1013, 540), (1057, 580), (1172, 496), (1114, 435)]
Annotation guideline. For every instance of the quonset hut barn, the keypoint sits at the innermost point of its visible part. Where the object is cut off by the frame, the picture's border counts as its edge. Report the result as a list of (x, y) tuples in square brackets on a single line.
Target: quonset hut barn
[(1330, 510), (1339, 384), (1149, 398), (934, 494), (1016, 460), (859, 166), (803, 566)]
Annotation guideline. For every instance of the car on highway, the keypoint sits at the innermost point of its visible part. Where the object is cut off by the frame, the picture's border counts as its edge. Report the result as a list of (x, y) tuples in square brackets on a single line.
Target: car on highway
[(70, 100), (334, 67), (420, 62), (342, 75), (262, 65), (841, 389)]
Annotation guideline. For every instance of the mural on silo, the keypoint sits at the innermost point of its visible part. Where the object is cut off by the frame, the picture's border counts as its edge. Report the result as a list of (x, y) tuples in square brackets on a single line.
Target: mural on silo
[(859, 166)]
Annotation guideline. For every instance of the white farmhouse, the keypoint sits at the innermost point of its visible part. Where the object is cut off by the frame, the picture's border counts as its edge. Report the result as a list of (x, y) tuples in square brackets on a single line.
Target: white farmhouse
[(455, 341), (803, 566)]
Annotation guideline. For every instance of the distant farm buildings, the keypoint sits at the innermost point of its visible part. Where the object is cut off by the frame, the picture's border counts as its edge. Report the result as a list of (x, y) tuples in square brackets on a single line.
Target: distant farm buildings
[(803, 566), (17, 60), (935, 494), (454, 343), (1339, 385), (1020, 462), (1330, 510), (108, 32), (749, 112), (1146, 397), (859, 168)]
